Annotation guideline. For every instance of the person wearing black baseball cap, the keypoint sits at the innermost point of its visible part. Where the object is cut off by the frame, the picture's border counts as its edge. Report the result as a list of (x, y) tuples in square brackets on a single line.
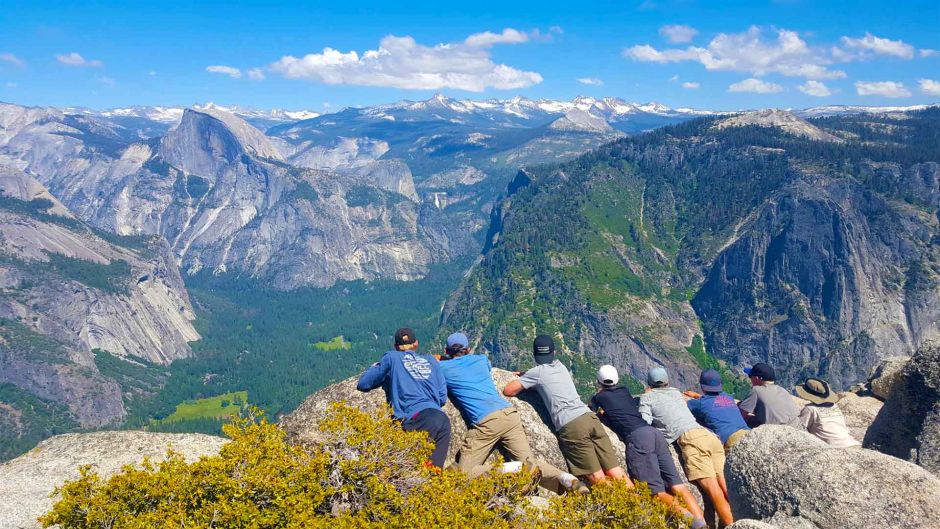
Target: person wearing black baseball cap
[(768, 403), (416, 390), (581, 436)]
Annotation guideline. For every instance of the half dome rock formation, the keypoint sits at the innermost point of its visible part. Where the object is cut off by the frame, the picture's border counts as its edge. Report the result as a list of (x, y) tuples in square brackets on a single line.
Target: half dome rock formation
[(780, 472), (301, 424), (908, 426), (27, 482)]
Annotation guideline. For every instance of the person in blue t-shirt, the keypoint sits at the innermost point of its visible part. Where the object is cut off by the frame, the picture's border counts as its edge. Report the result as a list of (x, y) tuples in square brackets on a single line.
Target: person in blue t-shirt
[(492, 421), (716, 410), (416, 390)]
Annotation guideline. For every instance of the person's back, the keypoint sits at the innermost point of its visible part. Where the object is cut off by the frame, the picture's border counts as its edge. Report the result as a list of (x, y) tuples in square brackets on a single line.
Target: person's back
[(618, 410), (554, 384), (822, 416), (413, 382), (771, 404), (665, 409), (471, 388), (719, 413)]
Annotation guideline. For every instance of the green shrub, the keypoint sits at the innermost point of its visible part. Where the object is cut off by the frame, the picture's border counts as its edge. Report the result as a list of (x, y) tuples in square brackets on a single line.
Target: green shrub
[(364, 473)]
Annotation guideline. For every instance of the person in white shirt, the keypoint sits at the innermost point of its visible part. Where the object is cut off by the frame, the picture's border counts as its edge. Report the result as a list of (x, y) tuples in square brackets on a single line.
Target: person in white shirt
[(822, 416)]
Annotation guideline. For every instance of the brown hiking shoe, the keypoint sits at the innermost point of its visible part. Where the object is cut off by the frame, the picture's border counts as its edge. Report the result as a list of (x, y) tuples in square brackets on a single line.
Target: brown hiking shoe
[(579, 488), (535, 476)]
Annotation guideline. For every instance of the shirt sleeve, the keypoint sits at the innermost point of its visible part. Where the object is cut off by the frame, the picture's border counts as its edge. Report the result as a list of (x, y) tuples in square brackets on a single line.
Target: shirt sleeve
[(806, 416), (441, 383), (749, 404), (593, 404), (375, 376), (530, 378), (646, 411), (695, 406)]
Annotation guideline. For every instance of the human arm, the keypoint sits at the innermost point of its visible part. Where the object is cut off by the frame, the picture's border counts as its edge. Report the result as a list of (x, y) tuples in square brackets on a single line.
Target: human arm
[(375, 376), (747, 407), (646, 411), (806, 416), (528, 380), (441, 386)]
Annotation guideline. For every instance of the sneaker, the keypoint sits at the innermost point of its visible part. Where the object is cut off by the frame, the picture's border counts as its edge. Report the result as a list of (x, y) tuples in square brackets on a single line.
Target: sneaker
[(579, 488)]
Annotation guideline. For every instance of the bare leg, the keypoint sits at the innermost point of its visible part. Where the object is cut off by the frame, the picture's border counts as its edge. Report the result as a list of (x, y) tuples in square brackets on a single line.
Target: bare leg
[(617, 473), (686, 494), (712, 488), (671, 502), (595, 478)]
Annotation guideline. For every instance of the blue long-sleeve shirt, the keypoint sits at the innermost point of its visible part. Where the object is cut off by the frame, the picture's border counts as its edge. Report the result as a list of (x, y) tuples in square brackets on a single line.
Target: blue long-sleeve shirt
[(413, 382), (471, 388)]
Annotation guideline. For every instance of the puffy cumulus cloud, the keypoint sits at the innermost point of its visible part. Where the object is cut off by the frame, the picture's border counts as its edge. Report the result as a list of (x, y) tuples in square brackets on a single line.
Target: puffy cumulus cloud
[(256, 74), (689, 85), (230, 71), (401, 62), (870, 45), (749, 52), (12, 59), (594, 81), (929, 87), (677, 33), (927, 52), (74, 59), (755, 86), (882, 88), (815, 88)]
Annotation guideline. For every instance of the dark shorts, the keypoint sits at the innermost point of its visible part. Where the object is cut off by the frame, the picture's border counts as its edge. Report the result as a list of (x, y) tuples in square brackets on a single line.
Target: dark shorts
[(649, 460), (437, 425)]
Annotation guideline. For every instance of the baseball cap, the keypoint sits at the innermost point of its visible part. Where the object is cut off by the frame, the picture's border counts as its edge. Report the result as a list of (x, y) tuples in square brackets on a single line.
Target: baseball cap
[(405, 336), (458, 338), (762, 371), (657, 376), (607, 376), (710, 381), (544, 349)]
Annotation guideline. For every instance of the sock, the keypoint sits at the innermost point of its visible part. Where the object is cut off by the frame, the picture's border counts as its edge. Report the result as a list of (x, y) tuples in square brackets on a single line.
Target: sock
[(512, 466)]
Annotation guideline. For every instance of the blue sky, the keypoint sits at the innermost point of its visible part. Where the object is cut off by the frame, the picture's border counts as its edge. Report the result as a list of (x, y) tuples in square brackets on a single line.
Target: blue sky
[(722, 55)]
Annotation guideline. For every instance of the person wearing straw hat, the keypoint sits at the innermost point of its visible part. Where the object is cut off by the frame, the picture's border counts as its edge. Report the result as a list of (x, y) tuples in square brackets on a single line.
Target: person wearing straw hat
[(822, 416)]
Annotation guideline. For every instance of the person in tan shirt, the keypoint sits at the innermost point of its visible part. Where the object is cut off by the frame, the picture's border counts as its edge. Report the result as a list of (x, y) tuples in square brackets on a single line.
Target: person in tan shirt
[(822, 416)]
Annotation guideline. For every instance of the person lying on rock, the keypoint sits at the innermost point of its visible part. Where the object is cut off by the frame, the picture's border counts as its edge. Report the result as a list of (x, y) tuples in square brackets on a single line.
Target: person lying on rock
[(716, 410), (581, 436), (492, 422), (703, 455), (768, 403), (416, 390), (648, 456), (822, 417)]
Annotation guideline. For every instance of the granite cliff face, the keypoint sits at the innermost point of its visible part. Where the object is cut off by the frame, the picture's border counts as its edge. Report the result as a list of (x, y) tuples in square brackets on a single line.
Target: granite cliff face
[(71, 299), (781, 241)]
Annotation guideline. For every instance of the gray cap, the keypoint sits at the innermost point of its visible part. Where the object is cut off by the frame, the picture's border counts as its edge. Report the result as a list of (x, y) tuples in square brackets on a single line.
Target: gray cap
[(657, 377)]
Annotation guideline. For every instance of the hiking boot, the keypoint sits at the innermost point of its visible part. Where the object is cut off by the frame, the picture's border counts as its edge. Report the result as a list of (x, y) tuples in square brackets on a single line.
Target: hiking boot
[(578, 488), (535, 476)]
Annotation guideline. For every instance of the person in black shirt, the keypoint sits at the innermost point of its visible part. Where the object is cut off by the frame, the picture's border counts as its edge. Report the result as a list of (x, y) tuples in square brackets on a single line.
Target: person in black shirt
[(648, 456)]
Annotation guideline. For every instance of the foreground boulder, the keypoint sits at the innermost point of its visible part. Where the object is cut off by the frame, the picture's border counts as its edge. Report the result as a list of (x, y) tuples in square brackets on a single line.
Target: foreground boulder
[(908, 426), (860, 412), (780, 473), (887, 375), (27, 481), (301, 424)]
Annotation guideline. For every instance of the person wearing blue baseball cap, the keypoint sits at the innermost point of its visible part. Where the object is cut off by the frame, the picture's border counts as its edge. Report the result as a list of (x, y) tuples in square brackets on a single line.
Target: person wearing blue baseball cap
[(716, 410), (492, 422)]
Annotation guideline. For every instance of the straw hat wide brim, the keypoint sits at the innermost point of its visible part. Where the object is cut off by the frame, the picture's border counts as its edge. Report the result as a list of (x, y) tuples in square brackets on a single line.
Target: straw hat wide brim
[(816, 399)]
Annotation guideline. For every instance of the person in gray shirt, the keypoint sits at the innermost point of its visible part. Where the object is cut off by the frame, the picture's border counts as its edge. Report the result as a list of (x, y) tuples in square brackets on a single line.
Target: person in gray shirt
[(768, 403), (581, 436)]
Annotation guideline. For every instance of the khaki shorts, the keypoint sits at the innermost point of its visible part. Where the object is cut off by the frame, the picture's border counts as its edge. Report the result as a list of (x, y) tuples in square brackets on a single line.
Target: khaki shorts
[(703, 456), (585, 445), (735, 437)]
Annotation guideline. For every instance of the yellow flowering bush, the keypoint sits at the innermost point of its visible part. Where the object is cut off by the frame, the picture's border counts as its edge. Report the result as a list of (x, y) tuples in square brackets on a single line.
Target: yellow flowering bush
[(364, 473)]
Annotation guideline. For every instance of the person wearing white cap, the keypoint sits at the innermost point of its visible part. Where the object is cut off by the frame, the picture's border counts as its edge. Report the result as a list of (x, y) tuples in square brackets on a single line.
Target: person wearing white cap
[(703, 455), (647, 454), (492, 422)]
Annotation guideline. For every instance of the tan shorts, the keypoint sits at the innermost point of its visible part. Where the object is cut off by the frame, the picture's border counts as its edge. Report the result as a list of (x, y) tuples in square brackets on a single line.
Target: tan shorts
[(703, 456), (585, 445), (735, 437)]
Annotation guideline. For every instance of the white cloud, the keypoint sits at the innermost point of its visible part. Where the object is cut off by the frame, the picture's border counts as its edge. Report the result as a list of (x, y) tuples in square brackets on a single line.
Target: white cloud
[(400, 62), (590, 81), (815, 88), (677, 33), (929, 87), (869, 45), (487, 39), (74, 59), (256, 74), (234, 73), (12, 59), (674, 78), (882, 88), (748, 52), (690, 85), (755, 86), (105, 81), (927, 52)]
